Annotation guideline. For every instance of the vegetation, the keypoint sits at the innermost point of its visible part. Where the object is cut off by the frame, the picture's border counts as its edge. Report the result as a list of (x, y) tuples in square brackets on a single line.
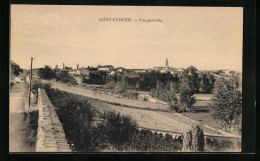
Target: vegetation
[(15, 69), (206, 81), (226, 103), (65, 78), (222, 145), (168, 93), (194, 140), (98, 77), (46, 73), (39, 84), (89, 130), (186, 96)]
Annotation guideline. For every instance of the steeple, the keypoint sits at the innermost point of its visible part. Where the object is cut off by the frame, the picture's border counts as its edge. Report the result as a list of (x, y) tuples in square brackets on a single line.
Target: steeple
[(166, 63)]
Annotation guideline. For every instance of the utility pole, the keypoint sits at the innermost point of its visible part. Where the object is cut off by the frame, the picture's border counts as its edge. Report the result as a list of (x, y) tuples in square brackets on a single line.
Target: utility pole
[(30, 86)]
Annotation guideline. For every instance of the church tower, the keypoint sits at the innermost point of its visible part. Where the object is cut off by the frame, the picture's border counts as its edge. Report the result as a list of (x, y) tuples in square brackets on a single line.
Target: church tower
[(166, 63)]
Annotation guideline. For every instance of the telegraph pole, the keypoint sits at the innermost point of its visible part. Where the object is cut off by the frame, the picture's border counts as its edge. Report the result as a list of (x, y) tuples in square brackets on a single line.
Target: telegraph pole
[(30, 83)]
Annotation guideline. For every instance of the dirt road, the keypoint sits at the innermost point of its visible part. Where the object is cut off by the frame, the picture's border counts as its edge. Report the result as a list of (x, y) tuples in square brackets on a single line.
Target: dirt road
[(21, 133)]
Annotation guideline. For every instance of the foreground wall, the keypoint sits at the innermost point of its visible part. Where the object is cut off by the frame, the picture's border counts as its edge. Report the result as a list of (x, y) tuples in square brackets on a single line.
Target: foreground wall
[(50, 134)]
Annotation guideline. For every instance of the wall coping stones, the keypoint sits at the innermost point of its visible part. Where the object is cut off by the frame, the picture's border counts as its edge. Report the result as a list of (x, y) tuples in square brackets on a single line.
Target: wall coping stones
[(50, 133)]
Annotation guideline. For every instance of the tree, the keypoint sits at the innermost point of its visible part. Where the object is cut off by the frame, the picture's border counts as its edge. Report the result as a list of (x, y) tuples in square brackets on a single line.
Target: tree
[(193, 140), (46, 72), (191, 75), (206, 82), (226, 104), (121, 87), (186, 95), (15, 69)]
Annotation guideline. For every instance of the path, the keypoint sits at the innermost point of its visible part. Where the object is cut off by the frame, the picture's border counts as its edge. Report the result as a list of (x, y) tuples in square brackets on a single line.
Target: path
[(20, 135)]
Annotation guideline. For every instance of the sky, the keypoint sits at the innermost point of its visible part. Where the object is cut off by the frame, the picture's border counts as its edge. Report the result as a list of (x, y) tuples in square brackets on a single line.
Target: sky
[(208, 38)]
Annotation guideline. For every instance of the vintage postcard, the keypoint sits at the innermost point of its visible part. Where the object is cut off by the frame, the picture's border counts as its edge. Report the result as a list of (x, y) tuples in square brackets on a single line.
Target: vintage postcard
[(125, 79)]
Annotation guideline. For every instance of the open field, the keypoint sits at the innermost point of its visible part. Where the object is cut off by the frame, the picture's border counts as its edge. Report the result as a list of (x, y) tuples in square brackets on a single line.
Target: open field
[(156, 121), (148, 115), (157, 112), (109, 98)]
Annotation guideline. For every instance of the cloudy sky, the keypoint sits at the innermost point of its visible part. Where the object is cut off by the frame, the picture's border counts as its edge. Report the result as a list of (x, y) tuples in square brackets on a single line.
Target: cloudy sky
[(205, 37)]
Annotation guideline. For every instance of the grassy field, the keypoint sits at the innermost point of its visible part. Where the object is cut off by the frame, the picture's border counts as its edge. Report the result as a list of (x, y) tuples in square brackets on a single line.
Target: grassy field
[(163, 123), (198, 112)]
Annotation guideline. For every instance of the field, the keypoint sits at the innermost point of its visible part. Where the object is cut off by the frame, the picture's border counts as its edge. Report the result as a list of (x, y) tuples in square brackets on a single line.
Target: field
[(155, 121), (199, 113)]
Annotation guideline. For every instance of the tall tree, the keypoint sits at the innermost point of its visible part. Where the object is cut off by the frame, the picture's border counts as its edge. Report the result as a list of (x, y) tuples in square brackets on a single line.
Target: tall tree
[(191, 76), (226, 104), (46, 73), (186, 95), (206, 82), (15, 69)]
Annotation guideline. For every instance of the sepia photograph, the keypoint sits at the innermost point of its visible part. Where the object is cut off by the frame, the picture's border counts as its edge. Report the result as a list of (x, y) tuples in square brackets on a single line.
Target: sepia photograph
[(125, 79)]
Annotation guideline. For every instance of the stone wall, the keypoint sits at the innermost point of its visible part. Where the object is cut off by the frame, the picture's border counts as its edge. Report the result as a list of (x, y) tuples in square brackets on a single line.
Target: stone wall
[(50, 134)]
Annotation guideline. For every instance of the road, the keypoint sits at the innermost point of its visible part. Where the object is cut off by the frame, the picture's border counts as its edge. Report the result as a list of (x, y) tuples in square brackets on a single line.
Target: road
[(21, 136)]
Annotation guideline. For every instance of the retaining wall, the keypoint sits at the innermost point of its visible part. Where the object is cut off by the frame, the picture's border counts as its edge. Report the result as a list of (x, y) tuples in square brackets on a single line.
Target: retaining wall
[(50, 134)]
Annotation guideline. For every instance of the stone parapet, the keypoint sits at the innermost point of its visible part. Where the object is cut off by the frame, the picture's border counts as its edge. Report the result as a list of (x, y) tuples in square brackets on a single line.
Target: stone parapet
[(50, 134)]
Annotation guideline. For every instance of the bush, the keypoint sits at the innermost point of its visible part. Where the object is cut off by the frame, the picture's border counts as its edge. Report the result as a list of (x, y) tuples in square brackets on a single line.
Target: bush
[(15, 69), (120, 88), (117, 129), (11, 84), (39, 84), (110, 85), (46, 73), (65, 78), (222, 145), (174, 106)]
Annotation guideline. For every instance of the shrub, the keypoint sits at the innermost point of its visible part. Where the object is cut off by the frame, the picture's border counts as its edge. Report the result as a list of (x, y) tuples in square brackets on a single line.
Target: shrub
[(65, 78), (222, 145), (15, 69), (110, 85), (11, 84), (39, 84), (46, 73), (194, 140), (117, 129), (120, 88), (174, 106)]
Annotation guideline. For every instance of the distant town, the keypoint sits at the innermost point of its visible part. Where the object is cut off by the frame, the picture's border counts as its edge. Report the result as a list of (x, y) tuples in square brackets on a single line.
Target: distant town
[(122, 106), (86, 73)]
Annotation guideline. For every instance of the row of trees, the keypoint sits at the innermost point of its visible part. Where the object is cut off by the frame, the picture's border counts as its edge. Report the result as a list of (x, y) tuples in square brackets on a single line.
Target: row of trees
[(49, 73), (200, 82), (226, 103)]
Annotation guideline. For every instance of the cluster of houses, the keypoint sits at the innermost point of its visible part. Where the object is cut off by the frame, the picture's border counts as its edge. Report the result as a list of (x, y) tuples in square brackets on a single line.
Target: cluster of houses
[(112, 71)]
